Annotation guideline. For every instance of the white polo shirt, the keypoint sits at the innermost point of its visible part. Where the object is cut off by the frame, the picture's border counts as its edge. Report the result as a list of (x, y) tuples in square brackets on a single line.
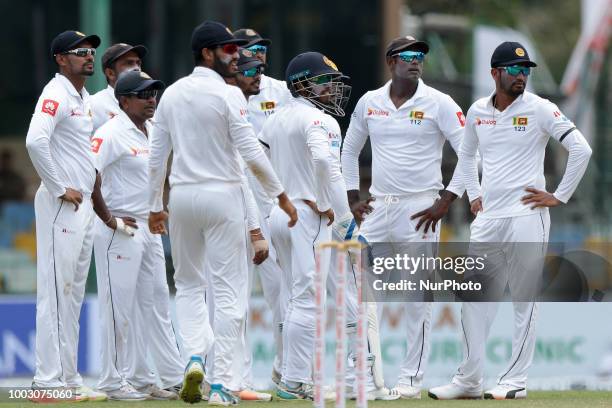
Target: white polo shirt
[(59, 136), (104, 106), (121, 153), (272, 95), (512, 144), (297, 137), (204, 122), (406, 142)]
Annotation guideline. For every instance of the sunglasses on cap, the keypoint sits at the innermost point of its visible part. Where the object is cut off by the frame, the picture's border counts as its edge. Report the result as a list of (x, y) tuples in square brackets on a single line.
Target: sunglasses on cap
[(146, 94), (262, 49), (229, 48), (81, 52), (251, 72), (409, 56), (514, 70)]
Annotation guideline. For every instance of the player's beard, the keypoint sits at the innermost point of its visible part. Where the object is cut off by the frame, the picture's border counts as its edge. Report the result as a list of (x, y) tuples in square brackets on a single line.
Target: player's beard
[(510, 89), (223, 66)]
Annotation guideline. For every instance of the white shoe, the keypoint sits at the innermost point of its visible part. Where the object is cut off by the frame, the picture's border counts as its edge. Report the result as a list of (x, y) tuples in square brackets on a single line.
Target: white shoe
[(156, 393), (87, 394), (408, 391), (453, 391), (126, 393), (384, 394), (505, 391)]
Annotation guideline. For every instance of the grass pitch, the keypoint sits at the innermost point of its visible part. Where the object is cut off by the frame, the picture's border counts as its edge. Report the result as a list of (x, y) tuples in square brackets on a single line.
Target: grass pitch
[(536, 399)]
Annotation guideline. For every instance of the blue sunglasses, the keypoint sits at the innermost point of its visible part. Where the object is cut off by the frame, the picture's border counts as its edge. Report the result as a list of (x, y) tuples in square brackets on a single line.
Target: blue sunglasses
[(258, 49), (409, 56)]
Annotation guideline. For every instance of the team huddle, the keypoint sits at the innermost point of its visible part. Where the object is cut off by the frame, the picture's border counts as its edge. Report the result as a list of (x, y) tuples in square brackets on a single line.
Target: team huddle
[(260, 175)]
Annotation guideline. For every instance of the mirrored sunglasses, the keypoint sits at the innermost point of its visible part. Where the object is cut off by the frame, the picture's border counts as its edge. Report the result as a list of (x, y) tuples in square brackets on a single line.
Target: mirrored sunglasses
[(229, 48), (253, 71), (409, 56), (322, 79), (262, 49), (81, 52), (517, 69)]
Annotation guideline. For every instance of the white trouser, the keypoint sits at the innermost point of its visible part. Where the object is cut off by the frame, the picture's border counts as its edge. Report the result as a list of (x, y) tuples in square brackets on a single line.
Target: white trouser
[(269, 273), (134, 309), (64, 239), (296, 254), (209, 248), (477, 317), (390, 222)]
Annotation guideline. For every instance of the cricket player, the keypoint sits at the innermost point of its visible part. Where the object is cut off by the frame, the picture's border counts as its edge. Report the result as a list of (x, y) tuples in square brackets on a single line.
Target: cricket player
[(116, 59), (408, 123), (248, 80), (132, 288), (58, 142), (203, 121), (298, 145), (511, 128), (271, 95)]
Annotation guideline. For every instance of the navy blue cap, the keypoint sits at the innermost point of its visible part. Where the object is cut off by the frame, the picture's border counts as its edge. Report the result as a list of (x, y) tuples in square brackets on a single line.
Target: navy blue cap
[(116, 51), (212, 33), (130, 82), (247, 60), (67, 40), (510, 53)]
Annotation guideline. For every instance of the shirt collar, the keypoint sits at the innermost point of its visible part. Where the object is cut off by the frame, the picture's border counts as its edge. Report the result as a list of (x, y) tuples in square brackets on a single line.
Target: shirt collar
[(518, 100), (304, 101), (69, 87), (207, 72), (131, 126), (111, 91), (421, 91)]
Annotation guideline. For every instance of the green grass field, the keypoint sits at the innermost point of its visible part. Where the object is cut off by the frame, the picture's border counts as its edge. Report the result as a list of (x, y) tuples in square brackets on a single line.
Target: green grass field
[(537, 399)]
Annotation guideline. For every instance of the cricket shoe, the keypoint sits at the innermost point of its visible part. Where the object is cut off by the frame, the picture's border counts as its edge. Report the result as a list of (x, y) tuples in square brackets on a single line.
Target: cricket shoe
[(191, 391), (126, 393), (505, 391), (156, 393), (452, 392), (250, 395), (219, 395), (378, 394), (87, 394), (303, 391), (408, 391)]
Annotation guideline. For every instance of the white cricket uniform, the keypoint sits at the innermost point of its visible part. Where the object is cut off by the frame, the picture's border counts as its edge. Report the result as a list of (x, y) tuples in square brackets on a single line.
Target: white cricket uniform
[(299, 151), (273, 94), (131, 271), (407, 144), (58, 142), (104, 106), (512, 144), (203, 121)]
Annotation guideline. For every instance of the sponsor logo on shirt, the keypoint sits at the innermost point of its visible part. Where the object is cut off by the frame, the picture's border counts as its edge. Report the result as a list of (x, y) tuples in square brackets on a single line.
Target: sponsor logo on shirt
[(334, 139), (111, 115), (138, 152), (461, 118), (49, 106), (417, 115), (519, 121), (123, 258), (377, 112), (485, 122), (96, 142), (243, 112), (67, 231), (267, 105), (74, 112)]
